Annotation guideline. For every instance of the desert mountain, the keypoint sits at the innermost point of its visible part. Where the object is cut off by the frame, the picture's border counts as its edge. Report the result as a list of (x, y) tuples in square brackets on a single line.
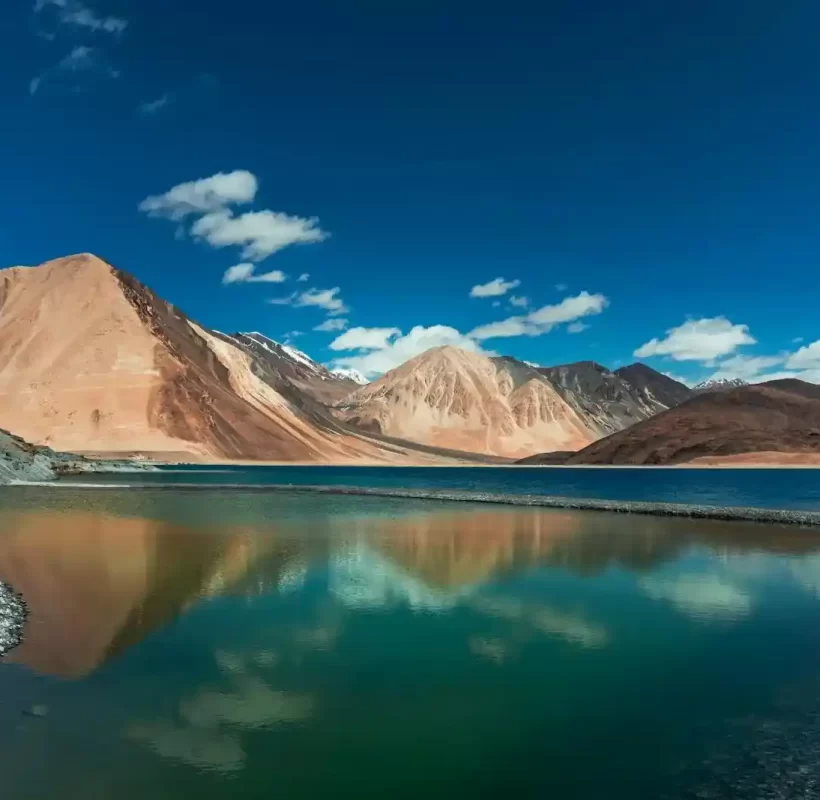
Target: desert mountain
[(608, 401), (774, 422), (447, 397), (654, 386), (93, 361)]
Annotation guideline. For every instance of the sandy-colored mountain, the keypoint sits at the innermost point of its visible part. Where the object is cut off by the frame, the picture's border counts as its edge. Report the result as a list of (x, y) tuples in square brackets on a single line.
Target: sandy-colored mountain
[(452, 398), (92, 361)]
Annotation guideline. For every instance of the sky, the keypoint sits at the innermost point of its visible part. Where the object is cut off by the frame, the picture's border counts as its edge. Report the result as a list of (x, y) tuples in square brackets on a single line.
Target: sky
[(553, 181)]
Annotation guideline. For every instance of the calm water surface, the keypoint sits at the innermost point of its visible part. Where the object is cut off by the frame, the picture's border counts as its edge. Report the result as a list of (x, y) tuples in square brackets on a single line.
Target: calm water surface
[(242, 645), (760, 488)]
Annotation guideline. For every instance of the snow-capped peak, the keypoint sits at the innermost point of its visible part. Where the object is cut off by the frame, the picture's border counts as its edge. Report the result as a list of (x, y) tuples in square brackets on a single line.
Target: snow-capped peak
[(298, 355), (720, 384), (351, 374)]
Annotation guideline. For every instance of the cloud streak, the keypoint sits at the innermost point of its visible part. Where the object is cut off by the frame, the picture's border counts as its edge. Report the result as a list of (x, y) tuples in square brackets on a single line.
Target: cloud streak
[(495, 288), (543, 320)]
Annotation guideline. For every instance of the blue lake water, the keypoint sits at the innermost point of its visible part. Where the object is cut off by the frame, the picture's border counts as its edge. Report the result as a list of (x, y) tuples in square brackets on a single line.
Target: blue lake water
[(760, 488), (240, 645)]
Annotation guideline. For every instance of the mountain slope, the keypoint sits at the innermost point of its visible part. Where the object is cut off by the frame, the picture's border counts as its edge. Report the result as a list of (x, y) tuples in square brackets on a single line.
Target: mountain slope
[(288, 366), (448, 397), (778, 417), (93, 361), (605, 400), (655, 386)]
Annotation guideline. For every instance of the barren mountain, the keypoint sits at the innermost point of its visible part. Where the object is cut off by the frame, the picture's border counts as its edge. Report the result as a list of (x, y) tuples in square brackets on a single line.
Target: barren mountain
[(448, 397), (93, 361), (607, 401), (655, 386), (779, 418)]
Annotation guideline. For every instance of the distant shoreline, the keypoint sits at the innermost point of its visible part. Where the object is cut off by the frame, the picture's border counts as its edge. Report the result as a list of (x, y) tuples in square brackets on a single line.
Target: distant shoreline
[(806, 519)]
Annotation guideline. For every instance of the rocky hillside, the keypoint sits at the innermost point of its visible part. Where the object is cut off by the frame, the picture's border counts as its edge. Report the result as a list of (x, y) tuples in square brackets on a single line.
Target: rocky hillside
[(452, 398), (608, 401), (779, 419), (655, 387)]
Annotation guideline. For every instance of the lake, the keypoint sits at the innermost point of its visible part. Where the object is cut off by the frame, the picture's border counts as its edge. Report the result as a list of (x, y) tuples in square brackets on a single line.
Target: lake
[(252, 645), (797, 489)]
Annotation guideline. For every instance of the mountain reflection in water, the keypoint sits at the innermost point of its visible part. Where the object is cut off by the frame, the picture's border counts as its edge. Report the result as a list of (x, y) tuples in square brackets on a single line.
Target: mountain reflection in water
[(96, 583)]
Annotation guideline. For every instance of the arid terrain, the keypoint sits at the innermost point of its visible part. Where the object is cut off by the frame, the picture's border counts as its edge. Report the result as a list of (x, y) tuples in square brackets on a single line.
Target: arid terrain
[(93, 362), (770, 423)]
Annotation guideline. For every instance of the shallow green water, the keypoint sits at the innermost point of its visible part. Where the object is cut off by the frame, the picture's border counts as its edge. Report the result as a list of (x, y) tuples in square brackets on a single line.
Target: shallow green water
[(229, 644)]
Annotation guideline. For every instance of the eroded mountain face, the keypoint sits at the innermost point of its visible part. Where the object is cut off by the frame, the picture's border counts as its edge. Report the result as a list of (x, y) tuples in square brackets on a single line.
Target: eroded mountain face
[(608, 401), (448, 397)]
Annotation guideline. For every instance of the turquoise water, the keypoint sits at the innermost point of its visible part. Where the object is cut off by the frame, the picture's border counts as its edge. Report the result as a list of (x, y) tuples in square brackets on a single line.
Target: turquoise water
[(250, 645), (760, 488)]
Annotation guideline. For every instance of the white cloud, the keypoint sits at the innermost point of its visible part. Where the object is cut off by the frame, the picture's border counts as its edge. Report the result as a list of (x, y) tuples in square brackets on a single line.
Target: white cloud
[(80, 57), (560, 287), (807, 357), (521, 302), (364, 339), (75, 13), (577, 327), (544, 319), (746, 368), (34, 85), (698, 340), (328, 299), (797, 340), (332, 324), (384, 349), (283, 301), (494, 288), (259, 233), (203, 196), (246, 273), (155, 106), (303, 277)]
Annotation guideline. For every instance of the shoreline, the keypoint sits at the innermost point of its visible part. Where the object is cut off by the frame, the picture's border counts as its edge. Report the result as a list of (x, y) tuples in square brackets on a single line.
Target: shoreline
[(13, 613), (806, 519)]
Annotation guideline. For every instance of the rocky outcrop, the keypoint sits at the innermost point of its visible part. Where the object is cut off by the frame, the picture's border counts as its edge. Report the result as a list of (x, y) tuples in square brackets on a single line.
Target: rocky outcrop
[(655, 387), (607, 401), (452, 398)]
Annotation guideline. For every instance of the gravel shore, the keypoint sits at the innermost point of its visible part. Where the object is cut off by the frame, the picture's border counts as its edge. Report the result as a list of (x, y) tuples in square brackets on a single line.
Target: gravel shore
[(12, 618), (805, 519), (770, 515)]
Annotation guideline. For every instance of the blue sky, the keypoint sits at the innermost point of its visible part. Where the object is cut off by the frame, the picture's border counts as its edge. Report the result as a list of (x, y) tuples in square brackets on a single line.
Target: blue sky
[(633, 168)]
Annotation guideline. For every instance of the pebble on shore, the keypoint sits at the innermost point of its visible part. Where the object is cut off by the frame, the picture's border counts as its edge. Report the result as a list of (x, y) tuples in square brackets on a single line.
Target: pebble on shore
[(12, 618)]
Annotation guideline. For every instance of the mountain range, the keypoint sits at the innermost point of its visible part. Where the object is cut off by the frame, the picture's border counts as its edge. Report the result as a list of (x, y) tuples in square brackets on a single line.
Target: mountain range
[(94, 362)]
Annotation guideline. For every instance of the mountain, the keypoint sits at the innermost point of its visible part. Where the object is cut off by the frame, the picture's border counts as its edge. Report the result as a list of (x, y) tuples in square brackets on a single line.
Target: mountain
[(720, 385), (93, 361), (654, 386), (353, 375), (607, 401), (774, 422), (287, 366), (447, 397)]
